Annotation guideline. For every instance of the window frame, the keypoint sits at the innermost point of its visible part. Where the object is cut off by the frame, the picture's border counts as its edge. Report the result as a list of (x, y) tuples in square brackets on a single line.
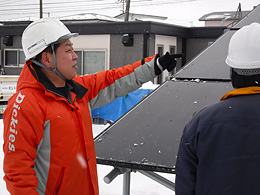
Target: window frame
[(18, 64), (172, 47), (95, 50), (160, 47), (82, 58)]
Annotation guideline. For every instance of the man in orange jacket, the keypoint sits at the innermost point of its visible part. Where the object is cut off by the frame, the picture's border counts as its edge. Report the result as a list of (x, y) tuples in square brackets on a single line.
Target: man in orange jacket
[(48, 141)]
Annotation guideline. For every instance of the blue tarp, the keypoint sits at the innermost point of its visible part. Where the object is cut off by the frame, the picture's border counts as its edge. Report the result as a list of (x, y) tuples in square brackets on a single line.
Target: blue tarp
[(114, 110)]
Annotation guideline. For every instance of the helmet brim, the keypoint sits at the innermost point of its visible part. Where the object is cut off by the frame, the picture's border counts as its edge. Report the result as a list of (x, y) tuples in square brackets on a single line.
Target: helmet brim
[(67, 36)]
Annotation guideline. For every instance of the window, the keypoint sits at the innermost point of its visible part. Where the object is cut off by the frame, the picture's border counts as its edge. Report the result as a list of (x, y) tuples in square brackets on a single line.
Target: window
[(94, 61), (79, 61), (14, 58), (21, 58), (172, 49), (88, 62), (91, 61), (160, 51), (11, 58)]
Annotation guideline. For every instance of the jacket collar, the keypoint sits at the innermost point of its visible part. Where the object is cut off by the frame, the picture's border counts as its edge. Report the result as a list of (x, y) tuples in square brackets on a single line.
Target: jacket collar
[(71, 86), (241, 91)]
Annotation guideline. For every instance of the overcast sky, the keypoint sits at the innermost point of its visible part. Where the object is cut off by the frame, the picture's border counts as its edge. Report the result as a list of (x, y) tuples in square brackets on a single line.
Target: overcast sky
[(181, 12)]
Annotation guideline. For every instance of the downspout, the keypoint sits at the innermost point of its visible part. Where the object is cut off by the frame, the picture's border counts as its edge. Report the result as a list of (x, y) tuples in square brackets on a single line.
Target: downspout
[(145, 45), (184, 48)]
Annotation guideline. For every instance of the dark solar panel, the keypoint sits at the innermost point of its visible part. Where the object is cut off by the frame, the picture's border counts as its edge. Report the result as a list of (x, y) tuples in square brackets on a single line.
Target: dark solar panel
[(147, 137)]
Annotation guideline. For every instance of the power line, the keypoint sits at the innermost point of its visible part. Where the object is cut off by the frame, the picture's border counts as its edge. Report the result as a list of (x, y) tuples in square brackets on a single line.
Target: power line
[(133, 3), (61, 7), (32, 6), (10, 2), (52, 3)]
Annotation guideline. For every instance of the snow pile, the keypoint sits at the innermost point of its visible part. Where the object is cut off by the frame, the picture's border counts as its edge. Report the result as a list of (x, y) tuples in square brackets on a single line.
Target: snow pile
[(149, 85)]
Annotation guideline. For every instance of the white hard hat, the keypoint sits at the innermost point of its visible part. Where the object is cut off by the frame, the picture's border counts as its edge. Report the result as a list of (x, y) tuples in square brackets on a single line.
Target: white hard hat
[(42, 33), (244, 48)]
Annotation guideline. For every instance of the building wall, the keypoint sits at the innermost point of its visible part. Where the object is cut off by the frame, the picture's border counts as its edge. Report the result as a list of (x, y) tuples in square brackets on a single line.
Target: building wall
[(16, 45), (195, 46), (180, 47), (82, 42), (117, 54), (166, 42), (93, 42), (218, 23), (121, 55)]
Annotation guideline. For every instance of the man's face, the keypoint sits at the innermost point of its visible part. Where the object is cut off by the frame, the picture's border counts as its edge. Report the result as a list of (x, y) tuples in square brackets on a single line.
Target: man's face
[(66, 59)]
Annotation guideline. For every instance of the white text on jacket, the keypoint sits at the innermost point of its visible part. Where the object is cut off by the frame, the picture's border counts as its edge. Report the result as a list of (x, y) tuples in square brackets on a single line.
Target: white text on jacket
[(14, 121)]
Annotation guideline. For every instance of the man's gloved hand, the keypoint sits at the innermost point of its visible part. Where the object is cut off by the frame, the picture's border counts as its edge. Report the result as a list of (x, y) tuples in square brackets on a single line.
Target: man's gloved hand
[(166, 61)]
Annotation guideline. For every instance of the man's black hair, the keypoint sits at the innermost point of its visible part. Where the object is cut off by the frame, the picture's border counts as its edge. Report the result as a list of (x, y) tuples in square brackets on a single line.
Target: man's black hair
[(239, 81), (48, 50)]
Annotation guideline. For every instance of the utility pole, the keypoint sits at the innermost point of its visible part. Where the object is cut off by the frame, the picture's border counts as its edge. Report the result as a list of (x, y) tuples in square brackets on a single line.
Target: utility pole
[(40, 8), (127, 10)]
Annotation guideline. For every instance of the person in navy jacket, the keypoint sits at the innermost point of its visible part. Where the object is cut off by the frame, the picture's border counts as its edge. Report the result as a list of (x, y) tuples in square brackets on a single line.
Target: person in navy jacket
[(219, 153)]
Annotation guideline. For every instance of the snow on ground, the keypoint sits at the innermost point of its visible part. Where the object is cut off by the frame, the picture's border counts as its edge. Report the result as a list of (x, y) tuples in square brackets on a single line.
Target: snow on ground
[(140, 184), (149, 85)]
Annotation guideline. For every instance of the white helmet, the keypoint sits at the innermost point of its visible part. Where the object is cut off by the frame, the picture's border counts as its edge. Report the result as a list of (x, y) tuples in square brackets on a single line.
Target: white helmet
[(42, 33), (244, 48)]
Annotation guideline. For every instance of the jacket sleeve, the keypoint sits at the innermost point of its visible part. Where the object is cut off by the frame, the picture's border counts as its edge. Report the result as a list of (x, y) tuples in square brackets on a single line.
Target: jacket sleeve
[(106, 86), (21, 118), (187, 161)]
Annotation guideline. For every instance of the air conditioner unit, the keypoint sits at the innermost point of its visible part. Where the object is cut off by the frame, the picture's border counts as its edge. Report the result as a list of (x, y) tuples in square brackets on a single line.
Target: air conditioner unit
[(128, 39), (8, 40)]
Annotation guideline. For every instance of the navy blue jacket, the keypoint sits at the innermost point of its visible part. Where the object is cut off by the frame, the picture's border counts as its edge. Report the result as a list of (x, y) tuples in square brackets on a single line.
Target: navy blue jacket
[(219, 152)]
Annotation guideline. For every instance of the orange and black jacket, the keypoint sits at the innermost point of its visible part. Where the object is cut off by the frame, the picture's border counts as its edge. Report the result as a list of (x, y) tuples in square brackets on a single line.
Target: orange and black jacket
[(48, 140)]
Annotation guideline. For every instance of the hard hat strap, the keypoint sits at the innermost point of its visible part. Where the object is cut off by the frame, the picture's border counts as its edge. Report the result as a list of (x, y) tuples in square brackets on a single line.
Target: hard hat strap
[(40, 64), (55, 64)]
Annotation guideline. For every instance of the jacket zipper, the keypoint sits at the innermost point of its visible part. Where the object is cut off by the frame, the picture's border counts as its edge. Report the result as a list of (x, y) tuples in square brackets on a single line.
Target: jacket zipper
[(72, 103)]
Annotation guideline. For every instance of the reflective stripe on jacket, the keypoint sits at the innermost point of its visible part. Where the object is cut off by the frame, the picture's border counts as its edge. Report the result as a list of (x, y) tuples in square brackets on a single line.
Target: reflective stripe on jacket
[(48, 141)]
